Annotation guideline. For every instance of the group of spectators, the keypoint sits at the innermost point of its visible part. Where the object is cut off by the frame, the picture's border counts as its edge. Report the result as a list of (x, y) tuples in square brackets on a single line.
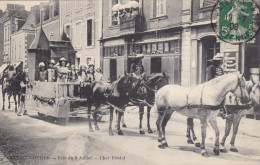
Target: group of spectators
[(64, 72)]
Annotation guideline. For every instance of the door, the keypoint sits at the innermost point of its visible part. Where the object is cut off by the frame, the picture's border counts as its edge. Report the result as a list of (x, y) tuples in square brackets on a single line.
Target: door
[(156, 65), (113, 70)]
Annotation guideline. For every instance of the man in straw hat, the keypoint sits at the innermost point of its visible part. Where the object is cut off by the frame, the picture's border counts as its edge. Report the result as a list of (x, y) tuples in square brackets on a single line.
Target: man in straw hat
[(215, 69)]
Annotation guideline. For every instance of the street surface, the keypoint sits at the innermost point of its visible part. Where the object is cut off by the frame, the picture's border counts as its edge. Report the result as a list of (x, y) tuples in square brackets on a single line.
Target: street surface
[(29, 140)]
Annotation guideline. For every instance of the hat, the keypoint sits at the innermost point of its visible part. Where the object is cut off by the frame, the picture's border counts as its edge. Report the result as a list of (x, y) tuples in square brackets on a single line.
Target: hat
[(52, 62), (217, 57), (91, 63), (63, 59), (41, 64)]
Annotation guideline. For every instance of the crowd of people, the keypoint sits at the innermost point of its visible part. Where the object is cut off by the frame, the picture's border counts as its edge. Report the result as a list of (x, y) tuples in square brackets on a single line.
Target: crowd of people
[(64, 72)]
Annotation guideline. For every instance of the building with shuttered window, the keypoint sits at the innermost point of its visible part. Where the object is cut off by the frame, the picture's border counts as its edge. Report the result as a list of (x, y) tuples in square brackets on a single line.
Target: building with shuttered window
[(81, 21), (152, 28)]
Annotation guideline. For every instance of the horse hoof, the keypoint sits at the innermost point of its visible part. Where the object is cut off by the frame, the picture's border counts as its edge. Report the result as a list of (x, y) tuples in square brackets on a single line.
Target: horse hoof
[(205, 154), (124, 125), (223, 150), (189, 141), (216, 151), (120, 133), (161, 146), (142, 132), (15, 111), (96, 127), (159, 140), (150, 131), (91, 130), (234, 149), (165, 144), (111, 133), (3, 109), (197, 144)]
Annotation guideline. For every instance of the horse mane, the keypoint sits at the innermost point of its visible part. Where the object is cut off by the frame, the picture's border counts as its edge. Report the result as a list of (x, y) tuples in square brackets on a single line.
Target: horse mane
[(220, 78), (153, 77)]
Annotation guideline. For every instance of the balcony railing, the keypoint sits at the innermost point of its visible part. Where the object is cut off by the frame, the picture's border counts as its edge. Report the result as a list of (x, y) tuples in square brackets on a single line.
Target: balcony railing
[(130, 25)]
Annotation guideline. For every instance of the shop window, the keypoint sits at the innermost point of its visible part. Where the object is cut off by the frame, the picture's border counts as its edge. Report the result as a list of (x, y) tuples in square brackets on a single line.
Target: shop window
[(160, 47), (154, 47), (174, 46), (156, 63), (144, 49), (78, 34), (149, 49), (166, 47)]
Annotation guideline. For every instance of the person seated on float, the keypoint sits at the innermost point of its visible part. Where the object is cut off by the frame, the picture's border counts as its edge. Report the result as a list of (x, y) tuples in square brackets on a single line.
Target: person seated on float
[(82, 76), (62, 70), (137, 68), (42, 75), (52, 74), (72, 75), (98, 75), (91, 73)]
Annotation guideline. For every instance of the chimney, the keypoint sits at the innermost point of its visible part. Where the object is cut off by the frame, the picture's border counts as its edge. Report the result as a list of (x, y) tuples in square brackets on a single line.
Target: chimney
[(10, 7)]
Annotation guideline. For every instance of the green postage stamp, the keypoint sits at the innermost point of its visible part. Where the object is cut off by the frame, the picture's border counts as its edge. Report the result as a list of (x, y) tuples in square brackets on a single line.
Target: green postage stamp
[(236, 20)]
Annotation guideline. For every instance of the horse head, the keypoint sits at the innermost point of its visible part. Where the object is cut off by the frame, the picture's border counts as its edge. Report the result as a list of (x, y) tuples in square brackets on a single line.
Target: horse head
[(241, 90), (127, 84), (156, 81)]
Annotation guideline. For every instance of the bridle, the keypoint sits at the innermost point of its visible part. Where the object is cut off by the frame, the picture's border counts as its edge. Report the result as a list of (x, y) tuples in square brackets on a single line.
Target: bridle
[(238, 85)]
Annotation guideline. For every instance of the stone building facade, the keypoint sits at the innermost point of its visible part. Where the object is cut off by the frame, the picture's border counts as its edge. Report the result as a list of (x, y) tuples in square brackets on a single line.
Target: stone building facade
[(81, 20)]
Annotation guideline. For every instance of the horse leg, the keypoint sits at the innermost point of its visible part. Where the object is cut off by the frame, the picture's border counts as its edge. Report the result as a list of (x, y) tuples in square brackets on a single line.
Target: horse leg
[(159, 126), (15, 102), (3, 94), (141, 114), (111, 120), (229, 122), (214, 125), (236, 122), (119, 131), (195, 140), (123, 121), (203, 123), (189, 123), (95, 116), (164, 123), (9, 103), (148, 119), (89, 115)]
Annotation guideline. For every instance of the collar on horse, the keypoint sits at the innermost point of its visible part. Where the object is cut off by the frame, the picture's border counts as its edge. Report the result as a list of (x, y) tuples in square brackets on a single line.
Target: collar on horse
[(212, 107)]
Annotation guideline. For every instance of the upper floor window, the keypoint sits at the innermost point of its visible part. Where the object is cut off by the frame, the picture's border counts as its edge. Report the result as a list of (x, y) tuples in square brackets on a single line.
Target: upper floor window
[(68, 6), (78, 4), (67, 30), (115, 14), (78, 35), (90, 30), (89, 2), (159, 8)]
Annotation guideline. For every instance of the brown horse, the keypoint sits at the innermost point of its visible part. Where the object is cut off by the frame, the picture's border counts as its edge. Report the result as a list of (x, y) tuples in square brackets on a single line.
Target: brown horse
[(202, 101), (12, 88), (116, 95)]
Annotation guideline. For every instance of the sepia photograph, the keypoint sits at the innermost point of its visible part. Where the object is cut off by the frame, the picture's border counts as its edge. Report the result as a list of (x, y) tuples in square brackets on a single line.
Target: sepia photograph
[(129, 82)]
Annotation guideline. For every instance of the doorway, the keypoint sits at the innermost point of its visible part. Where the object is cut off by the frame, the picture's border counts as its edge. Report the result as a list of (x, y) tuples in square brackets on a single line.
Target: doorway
[(209, 49), (113, 70), (156, 65)]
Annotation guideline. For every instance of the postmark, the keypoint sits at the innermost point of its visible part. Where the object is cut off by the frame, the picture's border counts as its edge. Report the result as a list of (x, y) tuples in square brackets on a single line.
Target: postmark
[(237, 21)]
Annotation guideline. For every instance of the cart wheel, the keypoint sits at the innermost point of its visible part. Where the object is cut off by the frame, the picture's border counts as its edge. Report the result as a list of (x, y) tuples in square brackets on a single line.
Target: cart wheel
[(41, 115)]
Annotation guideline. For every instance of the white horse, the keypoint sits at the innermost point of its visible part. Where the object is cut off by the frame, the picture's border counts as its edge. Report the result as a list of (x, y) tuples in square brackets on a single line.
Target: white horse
[(202, 102)]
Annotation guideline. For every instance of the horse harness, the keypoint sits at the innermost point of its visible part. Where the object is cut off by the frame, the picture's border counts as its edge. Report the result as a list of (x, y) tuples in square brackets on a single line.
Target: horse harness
[(212, 107)]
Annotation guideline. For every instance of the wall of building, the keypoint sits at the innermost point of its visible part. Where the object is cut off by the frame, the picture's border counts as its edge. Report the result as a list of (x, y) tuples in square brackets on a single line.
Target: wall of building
[(74, 13), (172, 17), (1, 44), (51, 28)]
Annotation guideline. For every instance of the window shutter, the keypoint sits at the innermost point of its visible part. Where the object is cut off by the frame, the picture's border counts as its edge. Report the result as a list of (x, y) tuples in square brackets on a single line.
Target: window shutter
[(153, 9), (93, 31)]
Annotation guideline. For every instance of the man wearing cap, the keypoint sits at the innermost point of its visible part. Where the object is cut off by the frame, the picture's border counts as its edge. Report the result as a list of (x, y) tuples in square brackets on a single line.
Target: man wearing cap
[(8, 74), (215, 69), (42, 75), (137, 68), (52, 72)]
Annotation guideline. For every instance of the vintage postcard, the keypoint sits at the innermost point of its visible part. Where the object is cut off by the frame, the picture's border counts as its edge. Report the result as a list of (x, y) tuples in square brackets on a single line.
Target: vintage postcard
[(129, 82)]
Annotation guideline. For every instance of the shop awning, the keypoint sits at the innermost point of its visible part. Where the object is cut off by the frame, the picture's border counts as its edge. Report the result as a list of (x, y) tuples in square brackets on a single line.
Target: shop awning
[(2, 68)]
